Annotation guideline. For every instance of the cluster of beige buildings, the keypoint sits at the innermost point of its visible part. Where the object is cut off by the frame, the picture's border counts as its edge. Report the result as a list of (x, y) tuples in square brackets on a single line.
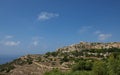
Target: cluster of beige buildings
[(87, 45)]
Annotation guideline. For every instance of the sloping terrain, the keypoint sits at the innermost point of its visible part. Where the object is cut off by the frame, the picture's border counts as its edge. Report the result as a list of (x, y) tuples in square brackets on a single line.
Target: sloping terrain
[(63, 59)]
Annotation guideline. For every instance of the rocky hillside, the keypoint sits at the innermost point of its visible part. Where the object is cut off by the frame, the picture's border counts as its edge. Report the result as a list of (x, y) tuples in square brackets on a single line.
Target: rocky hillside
[(62, 59), (88, 45)]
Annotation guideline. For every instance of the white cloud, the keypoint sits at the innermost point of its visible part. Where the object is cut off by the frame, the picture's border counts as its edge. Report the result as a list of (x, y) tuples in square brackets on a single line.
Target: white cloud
[(9, 37), (11, 43), (35, 43), (84, 29), (46, 16), (97, 32), (6, 41), (104, 36)]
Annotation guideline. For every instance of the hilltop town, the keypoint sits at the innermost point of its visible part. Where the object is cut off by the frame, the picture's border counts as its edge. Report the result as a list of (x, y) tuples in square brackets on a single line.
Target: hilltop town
[(88, 45)]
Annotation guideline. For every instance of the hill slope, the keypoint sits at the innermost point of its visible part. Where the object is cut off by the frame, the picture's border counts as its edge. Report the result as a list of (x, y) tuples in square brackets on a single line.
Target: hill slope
[(62, 59)]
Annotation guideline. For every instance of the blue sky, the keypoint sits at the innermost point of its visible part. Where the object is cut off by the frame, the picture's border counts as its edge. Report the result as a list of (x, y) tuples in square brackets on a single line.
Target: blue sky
[(38, 26)]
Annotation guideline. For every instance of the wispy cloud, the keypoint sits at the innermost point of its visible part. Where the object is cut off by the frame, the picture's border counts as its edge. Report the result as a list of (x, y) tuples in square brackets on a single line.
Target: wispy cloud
[(11, 43), (46, 16), (8, 40), (97, 32), (104, 36), (36, 41), (85, 29), (9, 37)]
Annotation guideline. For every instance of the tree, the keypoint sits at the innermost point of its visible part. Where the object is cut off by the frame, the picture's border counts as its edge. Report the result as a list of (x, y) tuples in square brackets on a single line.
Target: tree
[(88, 65), (65, 59), (114, 65), (100, 68), (79, 66)]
